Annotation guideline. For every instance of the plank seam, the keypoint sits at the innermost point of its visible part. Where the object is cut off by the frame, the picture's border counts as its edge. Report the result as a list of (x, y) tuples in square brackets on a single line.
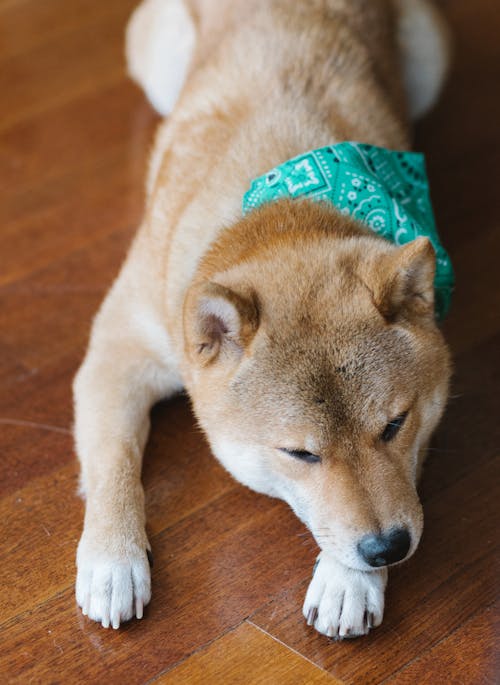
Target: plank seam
[(292, 649)]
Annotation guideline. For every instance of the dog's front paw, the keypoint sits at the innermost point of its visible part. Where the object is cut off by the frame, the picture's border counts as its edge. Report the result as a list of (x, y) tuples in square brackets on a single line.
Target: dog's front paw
[(113, 581), (342, 602)]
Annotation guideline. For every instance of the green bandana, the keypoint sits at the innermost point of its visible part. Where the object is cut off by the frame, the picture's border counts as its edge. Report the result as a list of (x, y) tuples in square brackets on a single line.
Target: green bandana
[(386, 190)]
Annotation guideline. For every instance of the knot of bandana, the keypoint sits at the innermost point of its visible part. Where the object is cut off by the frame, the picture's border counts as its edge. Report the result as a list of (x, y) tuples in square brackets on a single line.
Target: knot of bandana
[(386, 190)]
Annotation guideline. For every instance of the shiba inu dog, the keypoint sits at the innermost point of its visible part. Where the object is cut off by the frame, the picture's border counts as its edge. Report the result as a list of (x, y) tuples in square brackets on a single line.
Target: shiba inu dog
[(307, 343)]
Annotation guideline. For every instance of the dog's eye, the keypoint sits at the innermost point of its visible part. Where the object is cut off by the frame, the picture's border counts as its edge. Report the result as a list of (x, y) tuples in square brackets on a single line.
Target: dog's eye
[(392, 428), (303, 455)]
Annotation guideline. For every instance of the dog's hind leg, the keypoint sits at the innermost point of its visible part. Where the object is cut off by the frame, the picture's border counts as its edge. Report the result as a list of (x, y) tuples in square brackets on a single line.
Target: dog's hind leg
[(160, 42), (424, 41), (128, 367)]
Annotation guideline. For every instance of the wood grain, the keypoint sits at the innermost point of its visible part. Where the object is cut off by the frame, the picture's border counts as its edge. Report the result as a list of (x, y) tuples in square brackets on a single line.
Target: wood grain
[(68, 66), (231, 660), (467, 656), (231, 567), (25, 25)]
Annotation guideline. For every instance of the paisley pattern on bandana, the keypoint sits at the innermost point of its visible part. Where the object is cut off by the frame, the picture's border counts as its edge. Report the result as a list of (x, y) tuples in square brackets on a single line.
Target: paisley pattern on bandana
[(384, 189)]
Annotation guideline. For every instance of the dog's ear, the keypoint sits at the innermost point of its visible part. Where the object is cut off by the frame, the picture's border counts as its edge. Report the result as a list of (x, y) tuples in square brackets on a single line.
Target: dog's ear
[(403, 281), (218, 321)]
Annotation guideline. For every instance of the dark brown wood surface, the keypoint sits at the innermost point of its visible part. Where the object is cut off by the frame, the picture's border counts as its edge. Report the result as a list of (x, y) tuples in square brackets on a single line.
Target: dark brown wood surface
[(231, 567)]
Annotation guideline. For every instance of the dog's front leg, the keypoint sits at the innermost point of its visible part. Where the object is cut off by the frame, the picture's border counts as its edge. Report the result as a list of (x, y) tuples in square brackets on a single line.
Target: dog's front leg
[(124, 373), (342, 602)]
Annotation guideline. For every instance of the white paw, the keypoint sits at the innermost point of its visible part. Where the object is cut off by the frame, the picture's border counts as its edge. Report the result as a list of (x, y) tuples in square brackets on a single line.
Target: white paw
[(112, 587), (342, 602)]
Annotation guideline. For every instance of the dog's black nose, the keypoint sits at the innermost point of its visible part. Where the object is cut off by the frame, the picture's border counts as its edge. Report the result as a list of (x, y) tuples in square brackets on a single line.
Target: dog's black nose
[(384, 549)]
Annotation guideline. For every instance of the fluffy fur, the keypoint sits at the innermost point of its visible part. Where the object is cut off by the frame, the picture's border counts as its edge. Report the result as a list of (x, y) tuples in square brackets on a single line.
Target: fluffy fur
[(293, 328)]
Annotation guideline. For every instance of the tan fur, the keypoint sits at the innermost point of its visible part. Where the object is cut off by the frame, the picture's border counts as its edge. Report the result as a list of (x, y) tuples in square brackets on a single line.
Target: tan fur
[(291, 328)]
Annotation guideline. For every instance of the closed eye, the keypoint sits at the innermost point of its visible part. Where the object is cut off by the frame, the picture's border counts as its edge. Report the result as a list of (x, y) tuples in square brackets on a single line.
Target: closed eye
[(303, 455), (392, 428)]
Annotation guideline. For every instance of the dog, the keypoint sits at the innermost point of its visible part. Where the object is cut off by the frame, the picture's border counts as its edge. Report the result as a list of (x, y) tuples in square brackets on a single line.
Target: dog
[(307, 343)]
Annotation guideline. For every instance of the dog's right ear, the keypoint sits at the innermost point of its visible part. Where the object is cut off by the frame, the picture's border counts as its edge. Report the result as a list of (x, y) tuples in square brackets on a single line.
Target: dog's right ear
[(218, 321)]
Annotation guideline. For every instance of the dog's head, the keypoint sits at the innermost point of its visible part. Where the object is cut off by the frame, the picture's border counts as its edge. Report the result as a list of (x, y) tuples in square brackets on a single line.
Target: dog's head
[(318, 373)]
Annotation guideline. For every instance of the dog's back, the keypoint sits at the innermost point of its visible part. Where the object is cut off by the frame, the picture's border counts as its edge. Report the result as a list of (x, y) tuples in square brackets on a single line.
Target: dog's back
[(165, 38)]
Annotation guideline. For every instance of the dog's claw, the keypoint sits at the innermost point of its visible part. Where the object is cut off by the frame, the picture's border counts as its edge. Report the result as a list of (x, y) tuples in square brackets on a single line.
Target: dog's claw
[(366, 624), (139, 608), (86, 604), (347, 634), (105, 620), (311, 616), (350, 634), (331, 632), (150, 557)]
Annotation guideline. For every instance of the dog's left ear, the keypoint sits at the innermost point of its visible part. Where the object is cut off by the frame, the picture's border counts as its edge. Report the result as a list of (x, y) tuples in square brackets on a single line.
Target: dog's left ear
[(403, 281), (218, 321)]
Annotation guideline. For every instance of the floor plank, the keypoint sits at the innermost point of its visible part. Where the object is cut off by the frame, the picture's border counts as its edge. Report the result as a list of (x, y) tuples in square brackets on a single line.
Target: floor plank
[(25, 24), (84, 60), (90, 182), (466, 657), (231, 659)]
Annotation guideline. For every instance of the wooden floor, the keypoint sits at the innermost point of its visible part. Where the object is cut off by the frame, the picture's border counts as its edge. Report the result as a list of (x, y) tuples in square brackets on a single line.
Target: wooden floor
[(231, 567)]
